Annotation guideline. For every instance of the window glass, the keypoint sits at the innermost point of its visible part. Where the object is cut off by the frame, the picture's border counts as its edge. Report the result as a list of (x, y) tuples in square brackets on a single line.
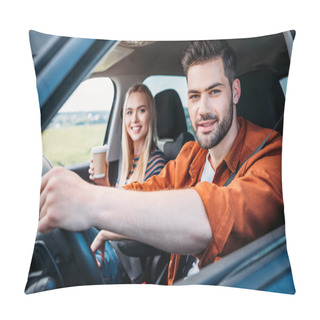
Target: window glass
[(283, 83), (157, 84), (80, 124)]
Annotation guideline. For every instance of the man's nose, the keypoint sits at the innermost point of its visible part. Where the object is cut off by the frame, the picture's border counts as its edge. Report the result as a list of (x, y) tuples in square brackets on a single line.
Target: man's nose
[(204, 106)]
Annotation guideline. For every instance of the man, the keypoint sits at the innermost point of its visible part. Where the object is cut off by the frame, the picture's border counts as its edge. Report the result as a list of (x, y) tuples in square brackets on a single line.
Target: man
[(186, 210)]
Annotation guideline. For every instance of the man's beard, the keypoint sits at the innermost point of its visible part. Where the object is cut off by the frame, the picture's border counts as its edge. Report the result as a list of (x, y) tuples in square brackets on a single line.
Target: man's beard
[(223, 125)]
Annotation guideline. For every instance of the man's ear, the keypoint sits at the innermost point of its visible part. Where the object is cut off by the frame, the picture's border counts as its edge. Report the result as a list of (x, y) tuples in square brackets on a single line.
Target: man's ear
[(236, 91)]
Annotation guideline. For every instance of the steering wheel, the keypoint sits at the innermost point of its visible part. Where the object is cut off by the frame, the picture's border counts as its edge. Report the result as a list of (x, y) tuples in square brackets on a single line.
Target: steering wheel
[(84, 257)]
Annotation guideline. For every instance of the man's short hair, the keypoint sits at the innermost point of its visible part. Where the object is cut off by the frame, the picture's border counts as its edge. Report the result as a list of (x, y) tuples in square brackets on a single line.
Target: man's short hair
[(199, 52)]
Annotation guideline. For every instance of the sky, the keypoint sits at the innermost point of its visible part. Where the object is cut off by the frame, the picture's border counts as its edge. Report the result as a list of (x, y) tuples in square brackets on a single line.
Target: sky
[(94, 94)]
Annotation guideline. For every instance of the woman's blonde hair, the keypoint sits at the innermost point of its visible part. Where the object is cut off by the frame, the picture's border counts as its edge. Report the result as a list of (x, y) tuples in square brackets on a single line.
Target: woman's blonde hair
[(127, 143)]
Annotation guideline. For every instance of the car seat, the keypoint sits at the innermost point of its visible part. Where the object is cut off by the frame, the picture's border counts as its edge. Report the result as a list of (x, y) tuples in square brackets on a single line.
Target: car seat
[(171, 123), (262, 99)]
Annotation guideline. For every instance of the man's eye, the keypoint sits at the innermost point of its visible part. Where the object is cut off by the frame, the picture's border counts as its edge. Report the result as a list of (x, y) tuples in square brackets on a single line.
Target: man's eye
[(214, 92), (193, 97)]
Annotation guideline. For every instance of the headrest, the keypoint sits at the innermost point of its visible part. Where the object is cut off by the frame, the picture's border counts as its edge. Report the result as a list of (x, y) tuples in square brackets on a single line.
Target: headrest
[(172, 148), (262, 99), (171, 120)]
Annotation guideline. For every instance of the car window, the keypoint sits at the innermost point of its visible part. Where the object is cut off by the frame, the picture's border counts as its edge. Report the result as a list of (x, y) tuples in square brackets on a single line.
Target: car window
[(283, 83), (159, 83), (80, 123)]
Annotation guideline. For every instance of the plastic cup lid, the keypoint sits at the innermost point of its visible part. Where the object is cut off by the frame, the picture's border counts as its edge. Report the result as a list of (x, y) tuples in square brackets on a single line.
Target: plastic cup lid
[(99, 149)]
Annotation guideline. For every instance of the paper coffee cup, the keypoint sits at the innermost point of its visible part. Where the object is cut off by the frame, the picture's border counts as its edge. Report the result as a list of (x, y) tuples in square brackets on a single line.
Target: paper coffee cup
[(99, 154)]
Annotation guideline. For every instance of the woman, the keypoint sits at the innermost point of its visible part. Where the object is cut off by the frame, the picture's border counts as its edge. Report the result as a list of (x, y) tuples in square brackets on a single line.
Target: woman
[(141, 160)]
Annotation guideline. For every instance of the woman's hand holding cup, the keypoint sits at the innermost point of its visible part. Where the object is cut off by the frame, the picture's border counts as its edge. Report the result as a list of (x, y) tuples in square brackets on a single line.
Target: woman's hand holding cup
[(99, 166)]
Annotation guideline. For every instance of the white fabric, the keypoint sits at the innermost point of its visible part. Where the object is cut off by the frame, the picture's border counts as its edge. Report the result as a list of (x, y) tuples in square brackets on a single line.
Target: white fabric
[(208, 172), (207, 175)]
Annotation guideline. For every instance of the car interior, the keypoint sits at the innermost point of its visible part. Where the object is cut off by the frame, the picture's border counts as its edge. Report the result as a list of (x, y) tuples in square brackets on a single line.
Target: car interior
[(263, 65)]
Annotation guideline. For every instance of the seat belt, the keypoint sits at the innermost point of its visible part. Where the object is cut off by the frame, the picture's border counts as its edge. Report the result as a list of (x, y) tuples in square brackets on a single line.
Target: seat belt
[(253, 153)]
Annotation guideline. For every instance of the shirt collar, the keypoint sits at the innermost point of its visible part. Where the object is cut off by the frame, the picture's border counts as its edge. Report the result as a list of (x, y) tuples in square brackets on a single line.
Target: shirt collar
[(198, 163)]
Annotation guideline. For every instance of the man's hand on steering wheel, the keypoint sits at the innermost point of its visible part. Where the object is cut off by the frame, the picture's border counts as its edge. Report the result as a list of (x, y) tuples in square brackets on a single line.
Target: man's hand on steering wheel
[(60, 207)]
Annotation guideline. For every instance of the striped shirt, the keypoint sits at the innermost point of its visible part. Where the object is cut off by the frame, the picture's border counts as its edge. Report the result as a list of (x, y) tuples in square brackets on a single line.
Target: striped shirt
[(156, 163)]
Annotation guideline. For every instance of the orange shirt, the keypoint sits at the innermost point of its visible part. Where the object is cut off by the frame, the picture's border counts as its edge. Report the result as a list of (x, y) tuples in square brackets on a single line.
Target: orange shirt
[(252, 204)]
